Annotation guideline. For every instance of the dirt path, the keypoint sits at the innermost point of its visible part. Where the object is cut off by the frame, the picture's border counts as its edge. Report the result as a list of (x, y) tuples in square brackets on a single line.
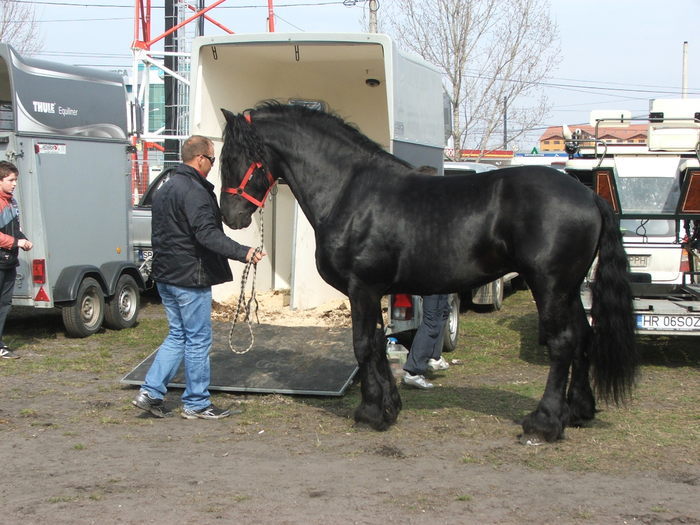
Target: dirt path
[(71, 468), (74, 451)]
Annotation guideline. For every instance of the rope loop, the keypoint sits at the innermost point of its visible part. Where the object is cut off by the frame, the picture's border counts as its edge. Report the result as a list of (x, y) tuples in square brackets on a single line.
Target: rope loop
[(244, 305)]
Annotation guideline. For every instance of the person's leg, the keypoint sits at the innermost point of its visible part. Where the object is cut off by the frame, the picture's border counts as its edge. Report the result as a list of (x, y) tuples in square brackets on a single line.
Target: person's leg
[(442, 313), (172, 350), (7, 285), (195, 306), (427, 335)]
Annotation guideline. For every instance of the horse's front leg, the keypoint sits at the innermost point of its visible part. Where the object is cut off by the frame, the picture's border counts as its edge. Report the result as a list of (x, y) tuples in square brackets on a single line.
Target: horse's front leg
[(381, 403)]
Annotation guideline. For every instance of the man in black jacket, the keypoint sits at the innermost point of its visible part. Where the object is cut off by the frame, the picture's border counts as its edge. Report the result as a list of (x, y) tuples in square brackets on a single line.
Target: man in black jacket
[(190, 254)]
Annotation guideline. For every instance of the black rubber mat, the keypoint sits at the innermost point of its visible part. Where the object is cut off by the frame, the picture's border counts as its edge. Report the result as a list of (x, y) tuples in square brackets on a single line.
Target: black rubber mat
[(306, 360)]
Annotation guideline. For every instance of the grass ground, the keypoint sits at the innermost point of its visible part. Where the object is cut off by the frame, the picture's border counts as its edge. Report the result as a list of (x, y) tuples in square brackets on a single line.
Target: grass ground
[(497, 378)]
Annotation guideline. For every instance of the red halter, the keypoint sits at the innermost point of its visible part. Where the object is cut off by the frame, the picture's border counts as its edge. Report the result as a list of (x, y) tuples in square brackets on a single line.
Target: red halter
[(254, 166)]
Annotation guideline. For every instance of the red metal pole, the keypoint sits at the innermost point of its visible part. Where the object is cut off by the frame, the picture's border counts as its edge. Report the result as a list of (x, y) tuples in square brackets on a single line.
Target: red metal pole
[(270, 16), (142, 21), (178, 26), (209, 19)]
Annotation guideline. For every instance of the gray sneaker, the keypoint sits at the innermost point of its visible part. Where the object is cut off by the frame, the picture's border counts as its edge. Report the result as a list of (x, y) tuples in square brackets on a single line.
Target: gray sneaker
[(6, 353), (417, 381), (153, 406), (438, 364), (210, 412)]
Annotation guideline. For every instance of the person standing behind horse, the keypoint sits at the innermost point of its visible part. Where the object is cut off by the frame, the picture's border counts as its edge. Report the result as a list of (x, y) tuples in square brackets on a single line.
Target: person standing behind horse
[(426, 350), (11, 240), (190, 255)]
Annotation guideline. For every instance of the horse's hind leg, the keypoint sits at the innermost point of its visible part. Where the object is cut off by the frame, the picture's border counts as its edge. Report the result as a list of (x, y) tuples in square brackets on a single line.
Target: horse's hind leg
[(560, 333), (381, 403), (580, 397)]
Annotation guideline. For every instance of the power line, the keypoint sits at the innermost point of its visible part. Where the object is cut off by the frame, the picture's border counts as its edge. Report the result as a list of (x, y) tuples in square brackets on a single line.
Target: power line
[(586, 89), (248, 6), (111, 19)]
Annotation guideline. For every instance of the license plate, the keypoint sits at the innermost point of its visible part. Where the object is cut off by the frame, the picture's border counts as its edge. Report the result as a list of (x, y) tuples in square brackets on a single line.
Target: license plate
[(668, 322), (145, 254), (638, 261)]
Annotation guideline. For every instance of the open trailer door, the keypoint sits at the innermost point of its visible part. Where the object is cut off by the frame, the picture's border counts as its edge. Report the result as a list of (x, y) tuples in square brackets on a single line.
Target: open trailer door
[(394, 99)]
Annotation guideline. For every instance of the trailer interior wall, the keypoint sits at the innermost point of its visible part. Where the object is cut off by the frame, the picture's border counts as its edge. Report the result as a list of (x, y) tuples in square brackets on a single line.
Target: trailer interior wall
[(355, 76), (239, 76)]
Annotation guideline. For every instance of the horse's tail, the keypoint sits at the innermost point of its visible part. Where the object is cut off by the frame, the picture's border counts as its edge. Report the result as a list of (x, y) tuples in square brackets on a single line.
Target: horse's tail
[(612, 352)]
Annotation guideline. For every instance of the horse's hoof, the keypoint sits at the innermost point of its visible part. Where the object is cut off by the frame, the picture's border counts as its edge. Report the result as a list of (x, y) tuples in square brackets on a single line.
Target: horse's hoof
[(538, 426), (581, 413), (372, 416), (579, 418)]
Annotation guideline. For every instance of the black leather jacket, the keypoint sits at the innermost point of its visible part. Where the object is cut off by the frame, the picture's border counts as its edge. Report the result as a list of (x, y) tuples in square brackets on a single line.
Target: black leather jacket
[(190, 248)]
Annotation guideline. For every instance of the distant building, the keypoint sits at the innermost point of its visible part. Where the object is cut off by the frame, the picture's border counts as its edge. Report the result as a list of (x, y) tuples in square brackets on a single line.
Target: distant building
[(552, 139)]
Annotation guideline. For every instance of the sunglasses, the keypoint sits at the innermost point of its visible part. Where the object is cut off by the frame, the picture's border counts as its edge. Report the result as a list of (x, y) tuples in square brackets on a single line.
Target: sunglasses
[(210, 159)]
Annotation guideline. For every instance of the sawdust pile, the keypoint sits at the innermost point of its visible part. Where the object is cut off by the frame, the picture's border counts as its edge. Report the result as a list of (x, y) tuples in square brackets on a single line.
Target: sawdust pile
[(273, 309)]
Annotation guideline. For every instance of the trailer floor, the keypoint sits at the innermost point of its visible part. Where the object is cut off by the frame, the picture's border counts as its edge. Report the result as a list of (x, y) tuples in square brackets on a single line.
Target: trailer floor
[(306, 360)]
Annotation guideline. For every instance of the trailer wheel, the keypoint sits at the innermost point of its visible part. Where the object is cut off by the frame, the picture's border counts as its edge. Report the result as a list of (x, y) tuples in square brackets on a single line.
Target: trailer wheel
[(122, 310), (85, 317), (452, 325)]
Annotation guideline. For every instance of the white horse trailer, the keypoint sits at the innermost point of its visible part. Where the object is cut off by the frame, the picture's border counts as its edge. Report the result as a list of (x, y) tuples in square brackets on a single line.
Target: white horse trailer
[(394, 99), (65, 128)]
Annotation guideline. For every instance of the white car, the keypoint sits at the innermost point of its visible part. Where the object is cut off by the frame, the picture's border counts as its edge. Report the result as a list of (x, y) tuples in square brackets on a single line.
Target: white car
[(458, 168), (655, 189)]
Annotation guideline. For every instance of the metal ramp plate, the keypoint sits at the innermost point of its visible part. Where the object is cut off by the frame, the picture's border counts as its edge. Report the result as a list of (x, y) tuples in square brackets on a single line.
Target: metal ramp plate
[(306, 360)]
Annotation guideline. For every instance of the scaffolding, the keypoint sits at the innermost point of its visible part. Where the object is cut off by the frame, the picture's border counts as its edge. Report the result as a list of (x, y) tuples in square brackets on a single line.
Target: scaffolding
[(156, 148)]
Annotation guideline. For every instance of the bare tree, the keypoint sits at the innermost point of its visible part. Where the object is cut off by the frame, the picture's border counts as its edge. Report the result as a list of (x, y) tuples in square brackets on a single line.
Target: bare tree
[(493, 54), (19, 27)]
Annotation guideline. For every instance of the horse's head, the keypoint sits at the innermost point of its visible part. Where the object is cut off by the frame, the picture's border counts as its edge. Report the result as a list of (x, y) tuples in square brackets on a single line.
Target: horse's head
[(245, 181)]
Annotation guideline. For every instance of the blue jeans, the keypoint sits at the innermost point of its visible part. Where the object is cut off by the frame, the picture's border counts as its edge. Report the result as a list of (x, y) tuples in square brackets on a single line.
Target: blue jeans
[(189, 336), (427, 343)]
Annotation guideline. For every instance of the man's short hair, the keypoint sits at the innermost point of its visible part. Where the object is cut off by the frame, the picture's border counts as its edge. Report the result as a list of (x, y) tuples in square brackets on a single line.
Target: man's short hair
[(7, 169), (195, 145)]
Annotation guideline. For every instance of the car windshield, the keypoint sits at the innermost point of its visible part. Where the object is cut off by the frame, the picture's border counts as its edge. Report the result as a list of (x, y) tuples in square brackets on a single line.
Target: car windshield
[(648, 194), (647, 228)]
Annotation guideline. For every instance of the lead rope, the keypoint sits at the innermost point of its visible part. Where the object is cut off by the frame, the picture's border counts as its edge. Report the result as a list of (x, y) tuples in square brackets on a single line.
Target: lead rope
[(253, 299)]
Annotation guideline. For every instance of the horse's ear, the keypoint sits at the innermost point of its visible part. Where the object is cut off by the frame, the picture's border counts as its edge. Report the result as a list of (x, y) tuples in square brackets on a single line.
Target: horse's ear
[(230, 117)]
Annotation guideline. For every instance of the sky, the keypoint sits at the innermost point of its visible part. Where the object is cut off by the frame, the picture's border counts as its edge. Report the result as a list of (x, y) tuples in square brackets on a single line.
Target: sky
[(615, 54)]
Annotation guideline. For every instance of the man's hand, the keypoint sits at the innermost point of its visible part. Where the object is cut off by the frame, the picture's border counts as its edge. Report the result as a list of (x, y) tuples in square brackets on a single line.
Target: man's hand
[(25, 244), (255, 256)]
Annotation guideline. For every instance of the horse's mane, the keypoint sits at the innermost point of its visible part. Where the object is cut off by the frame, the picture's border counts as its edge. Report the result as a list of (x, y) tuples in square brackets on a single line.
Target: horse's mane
[(326, 119), (240, 131)]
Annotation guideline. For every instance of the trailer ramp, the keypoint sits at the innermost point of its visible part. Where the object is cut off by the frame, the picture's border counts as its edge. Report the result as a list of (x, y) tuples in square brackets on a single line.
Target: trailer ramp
[(303, 360)]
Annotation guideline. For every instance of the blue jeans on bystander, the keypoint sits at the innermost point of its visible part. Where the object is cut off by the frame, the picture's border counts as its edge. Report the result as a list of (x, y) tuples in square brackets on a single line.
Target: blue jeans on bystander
[(189, 337), (427, 343)]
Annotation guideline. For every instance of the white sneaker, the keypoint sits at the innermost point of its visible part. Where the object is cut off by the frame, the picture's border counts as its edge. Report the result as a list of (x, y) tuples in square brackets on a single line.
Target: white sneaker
[(438, 364), (417, 381)]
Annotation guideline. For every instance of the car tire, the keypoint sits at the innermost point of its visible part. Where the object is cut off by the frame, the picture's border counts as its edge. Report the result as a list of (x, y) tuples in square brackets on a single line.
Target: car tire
[(84, 317), (451, 330), (122, 309), (498, 286)]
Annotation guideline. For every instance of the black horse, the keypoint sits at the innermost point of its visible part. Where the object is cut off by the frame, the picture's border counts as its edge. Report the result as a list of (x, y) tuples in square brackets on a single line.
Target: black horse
[(382, 227)]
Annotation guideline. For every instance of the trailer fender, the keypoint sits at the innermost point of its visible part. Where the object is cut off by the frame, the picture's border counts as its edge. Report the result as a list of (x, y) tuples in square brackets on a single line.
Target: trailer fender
[(113, 270), (68, 282)]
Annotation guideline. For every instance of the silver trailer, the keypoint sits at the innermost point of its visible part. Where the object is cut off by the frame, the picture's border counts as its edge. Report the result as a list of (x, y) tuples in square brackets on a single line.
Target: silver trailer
[(66, 130)]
